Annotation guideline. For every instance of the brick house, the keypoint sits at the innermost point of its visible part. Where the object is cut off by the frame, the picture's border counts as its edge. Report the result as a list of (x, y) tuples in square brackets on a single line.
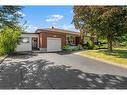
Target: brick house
[(48, 40)]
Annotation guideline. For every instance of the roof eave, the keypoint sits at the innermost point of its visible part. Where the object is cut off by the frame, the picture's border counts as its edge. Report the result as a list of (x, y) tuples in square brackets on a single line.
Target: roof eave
[(68, 32)]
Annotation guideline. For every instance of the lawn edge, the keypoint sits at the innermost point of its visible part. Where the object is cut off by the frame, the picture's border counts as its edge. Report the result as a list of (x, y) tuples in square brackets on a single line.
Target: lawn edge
[(3, 58), (102, 60)]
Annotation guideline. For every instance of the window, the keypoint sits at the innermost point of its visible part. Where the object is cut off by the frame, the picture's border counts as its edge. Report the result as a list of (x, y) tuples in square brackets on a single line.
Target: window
[(24, 40), (70, 40), (67, 40)]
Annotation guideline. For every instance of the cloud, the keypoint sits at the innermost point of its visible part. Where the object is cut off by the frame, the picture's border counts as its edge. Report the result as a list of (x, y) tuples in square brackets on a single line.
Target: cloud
[(35, 27), (31, 28), (54, 18), (71, 11), (20, 13), (69, 27)]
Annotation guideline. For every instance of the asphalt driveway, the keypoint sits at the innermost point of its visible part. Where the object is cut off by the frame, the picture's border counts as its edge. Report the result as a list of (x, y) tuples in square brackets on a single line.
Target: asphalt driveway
[(59, 71)]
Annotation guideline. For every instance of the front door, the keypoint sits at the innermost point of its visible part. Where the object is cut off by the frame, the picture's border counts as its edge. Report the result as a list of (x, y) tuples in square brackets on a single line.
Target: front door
[(77, 40), (34, 43)]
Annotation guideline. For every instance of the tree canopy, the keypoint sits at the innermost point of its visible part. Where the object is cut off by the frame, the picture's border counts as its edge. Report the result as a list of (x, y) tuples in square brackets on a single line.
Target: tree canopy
[(9, 16), (109, 22)]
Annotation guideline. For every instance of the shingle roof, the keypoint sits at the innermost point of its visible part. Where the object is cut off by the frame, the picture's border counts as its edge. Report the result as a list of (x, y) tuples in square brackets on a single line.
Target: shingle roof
[(58, 30)]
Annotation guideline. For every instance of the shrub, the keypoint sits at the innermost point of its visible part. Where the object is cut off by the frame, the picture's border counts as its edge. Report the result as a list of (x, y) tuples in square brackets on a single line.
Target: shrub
[(76, 48), (96, 47), (79, 47), (65, 47), (72, 48), (8, 40), (2, 52), (85, 47)]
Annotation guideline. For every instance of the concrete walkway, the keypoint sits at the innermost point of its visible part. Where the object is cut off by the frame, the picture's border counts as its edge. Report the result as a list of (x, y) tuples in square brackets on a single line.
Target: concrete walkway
[(59, 71)]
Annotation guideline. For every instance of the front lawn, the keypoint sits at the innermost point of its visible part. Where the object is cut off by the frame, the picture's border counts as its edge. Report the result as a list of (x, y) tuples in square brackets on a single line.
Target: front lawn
[(119, 55)]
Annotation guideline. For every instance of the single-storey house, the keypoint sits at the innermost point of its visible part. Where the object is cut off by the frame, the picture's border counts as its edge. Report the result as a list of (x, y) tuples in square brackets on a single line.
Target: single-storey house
[(48, 40)]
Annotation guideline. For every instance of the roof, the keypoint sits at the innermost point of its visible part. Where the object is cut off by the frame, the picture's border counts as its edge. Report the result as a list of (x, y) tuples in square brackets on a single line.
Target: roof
[(57, 30), (29, 32)]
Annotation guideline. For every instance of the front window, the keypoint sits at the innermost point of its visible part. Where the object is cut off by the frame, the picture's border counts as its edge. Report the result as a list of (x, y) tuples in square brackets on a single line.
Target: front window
[(70, 40), (24, 40)]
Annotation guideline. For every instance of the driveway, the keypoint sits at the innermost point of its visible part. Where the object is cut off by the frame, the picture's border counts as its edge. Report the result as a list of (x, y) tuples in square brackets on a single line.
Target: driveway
[(59, 71)]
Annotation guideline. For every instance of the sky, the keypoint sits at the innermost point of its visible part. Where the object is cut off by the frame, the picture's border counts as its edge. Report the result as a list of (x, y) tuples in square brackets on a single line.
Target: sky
[(48, 16)]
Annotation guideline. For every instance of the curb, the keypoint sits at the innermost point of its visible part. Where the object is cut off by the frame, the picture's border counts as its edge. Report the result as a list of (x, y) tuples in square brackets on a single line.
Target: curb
[(108, 62), (2, 59)]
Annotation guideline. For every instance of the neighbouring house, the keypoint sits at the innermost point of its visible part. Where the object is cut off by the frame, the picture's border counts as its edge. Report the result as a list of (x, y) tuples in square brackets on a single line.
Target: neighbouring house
[(48, 40)]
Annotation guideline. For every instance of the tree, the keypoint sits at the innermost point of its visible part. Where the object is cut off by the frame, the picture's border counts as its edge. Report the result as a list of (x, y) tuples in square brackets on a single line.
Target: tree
[(9, 28), (9, 16), (115, 23), (109, 22), (122, 41), (82, 20)]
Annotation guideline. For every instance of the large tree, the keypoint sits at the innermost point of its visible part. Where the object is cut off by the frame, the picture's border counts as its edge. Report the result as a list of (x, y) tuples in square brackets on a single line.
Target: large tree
[(9, 16), (105, 21), (9, 28), (83, 19)]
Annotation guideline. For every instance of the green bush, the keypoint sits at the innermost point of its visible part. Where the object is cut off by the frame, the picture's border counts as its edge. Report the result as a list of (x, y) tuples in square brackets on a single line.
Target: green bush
[(76, 48), (2, 52), (79, 47), (96, 47), (8, 40), (66, 47), (72, 48), (85, 47)]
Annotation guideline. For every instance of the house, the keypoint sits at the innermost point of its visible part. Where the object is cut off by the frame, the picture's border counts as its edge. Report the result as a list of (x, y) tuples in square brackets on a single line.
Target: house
[(48, 40)]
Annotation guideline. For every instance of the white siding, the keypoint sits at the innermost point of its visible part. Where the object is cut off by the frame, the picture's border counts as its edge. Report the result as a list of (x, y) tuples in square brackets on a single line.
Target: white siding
[(26, 46)]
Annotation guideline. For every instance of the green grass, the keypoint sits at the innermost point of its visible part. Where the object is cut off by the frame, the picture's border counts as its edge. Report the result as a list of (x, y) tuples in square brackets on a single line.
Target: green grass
[(119, 55)]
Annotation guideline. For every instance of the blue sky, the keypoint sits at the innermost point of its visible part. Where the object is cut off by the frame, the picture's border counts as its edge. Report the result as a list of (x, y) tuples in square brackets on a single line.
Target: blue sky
[(48, 16)]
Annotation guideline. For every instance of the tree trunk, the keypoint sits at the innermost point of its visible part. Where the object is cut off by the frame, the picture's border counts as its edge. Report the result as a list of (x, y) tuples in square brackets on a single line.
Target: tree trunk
[(81, 38), (81, 41), (92, 40), (109, 38)]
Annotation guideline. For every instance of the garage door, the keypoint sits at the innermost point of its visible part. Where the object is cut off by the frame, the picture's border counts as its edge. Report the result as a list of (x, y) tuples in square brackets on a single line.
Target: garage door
[(53, 44)]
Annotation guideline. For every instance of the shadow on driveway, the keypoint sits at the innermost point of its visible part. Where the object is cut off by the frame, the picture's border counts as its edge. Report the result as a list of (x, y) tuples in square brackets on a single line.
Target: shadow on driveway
[(67, 52), (22, 55), (42, 74)]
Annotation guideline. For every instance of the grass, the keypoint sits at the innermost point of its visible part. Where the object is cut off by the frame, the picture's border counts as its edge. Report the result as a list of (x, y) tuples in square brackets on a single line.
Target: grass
[(119, 55)]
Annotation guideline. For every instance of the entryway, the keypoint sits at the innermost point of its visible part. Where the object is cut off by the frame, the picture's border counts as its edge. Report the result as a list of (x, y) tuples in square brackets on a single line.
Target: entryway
[(34, 43)]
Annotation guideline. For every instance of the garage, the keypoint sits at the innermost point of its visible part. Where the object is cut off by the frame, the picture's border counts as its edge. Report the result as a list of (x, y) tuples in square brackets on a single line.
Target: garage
[(53, 44)]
